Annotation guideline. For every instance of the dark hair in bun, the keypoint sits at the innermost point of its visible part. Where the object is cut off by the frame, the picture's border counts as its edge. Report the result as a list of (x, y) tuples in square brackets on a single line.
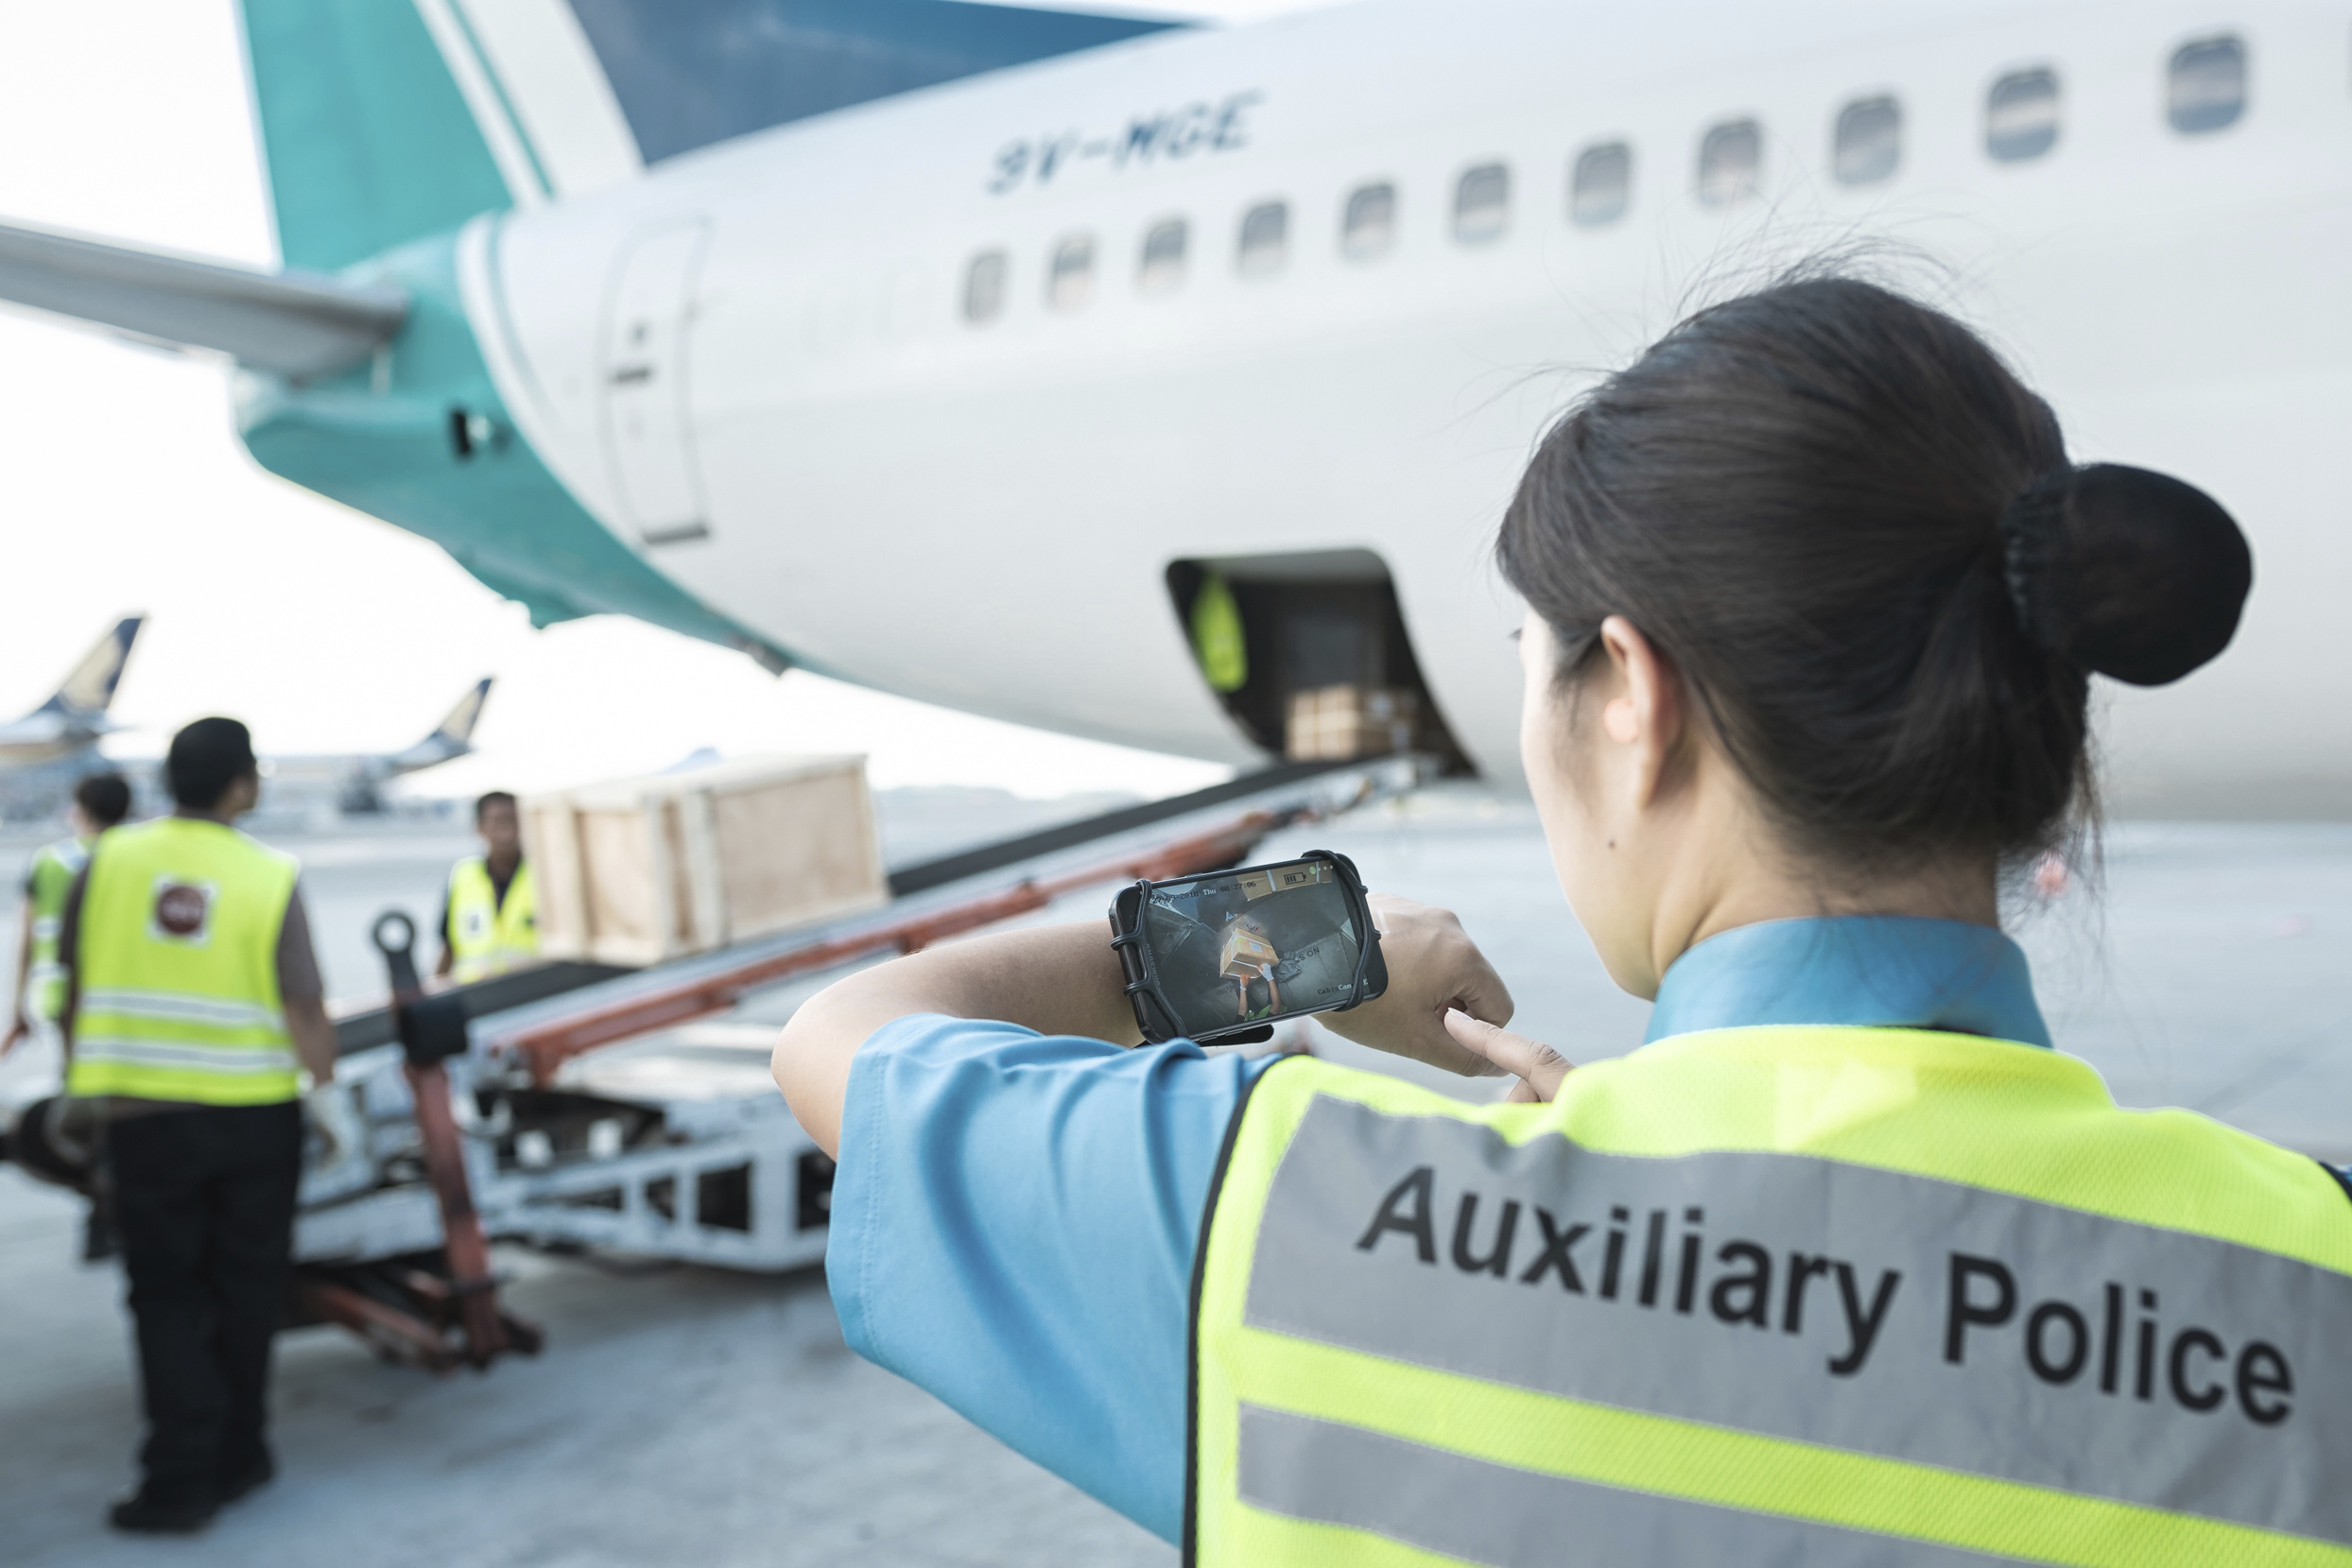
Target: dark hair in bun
[(2127, 571), (1857, 535)]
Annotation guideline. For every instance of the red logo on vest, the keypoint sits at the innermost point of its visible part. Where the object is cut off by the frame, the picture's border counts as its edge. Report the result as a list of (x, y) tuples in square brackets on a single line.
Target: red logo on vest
[(180, 909)]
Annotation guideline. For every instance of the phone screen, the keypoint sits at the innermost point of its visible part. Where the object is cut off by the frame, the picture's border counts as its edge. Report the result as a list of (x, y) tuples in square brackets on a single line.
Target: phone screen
[(1246, 946)]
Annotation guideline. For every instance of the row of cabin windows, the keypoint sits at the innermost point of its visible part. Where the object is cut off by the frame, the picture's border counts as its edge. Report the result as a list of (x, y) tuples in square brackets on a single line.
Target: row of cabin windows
[(2206, 93)]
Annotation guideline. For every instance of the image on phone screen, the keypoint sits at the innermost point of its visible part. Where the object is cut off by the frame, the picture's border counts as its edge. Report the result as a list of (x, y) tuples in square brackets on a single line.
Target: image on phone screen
[(1246, 946)]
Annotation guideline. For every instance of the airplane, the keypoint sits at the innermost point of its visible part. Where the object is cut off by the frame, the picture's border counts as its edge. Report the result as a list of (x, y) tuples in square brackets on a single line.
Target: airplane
[(983, 354), (65, 730), (358, 781)]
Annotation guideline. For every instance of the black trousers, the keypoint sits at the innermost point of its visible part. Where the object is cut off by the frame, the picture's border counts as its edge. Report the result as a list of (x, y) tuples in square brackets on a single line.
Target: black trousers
[(204, 1199)]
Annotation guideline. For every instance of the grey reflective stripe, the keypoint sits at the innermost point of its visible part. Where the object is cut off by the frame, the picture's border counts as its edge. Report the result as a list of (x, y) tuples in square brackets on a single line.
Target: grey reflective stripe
[(172, 1006), (44, 928), (1814, 1300), (236, 1061), (1505, 1517)]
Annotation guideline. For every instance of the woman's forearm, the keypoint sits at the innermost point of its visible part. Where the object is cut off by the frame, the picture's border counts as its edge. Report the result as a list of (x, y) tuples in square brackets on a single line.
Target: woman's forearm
[(1056, 980)]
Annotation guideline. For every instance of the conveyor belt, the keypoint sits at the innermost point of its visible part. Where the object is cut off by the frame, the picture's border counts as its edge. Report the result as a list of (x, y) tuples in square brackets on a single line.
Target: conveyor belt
[(536, 1003)]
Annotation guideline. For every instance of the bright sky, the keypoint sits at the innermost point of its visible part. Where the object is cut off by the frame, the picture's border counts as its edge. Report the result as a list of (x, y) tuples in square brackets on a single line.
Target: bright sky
[(122, 487)]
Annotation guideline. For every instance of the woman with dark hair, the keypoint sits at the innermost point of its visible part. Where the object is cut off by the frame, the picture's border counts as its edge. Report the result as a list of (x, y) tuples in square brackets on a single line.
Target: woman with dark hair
[(1846, 1264)]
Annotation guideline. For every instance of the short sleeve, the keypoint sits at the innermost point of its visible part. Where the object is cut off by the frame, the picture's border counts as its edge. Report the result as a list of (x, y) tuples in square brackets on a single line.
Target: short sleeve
[(1014, 1225)]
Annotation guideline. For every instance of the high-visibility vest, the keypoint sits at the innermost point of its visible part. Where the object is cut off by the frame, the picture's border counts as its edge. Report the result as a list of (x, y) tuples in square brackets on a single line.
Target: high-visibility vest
[(1818, 1296), (177, 962), (54, 866), (488, 936)]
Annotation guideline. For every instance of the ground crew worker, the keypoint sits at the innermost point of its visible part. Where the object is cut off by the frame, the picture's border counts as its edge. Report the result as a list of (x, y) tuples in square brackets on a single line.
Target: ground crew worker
[(100, 801), (489, 919), (1846, 1264), (193, 1001)]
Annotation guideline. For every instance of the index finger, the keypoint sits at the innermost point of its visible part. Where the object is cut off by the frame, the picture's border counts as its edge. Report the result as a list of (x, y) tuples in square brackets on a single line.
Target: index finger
[(1537, 1063)]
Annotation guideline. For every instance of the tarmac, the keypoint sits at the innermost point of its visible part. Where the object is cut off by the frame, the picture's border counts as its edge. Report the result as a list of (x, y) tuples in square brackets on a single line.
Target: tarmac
[(689, 1415)]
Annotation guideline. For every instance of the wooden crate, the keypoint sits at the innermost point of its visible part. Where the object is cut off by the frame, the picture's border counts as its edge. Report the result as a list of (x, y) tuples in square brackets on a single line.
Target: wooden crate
[(639, 870), (1338, 723)]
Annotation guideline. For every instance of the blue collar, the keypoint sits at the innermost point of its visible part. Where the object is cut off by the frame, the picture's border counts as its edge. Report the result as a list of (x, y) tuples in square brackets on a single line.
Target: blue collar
[(1888, 970)]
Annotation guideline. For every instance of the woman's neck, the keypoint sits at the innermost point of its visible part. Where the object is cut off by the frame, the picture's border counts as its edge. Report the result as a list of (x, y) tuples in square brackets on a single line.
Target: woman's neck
[(1951, 893), (1741, 875)]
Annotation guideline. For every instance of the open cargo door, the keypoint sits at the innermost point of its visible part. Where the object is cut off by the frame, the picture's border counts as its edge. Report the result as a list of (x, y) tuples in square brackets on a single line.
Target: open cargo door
[(1310, 654)]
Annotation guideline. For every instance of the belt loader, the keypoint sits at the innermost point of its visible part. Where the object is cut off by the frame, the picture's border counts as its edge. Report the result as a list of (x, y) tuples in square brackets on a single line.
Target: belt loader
[(574, 1105)]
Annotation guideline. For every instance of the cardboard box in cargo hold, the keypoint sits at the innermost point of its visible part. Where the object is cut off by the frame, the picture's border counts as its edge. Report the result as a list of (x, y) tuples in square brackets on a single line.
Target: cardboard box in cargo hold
[(638, 871), (1347, 721)]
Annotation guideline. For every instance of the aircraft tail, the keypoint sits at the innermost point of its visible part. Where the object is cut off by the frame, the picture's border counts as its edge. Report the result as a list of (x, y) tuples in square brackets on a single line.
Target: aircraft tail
[(91, 687), (383, 121), (458, 729), (366, 132)]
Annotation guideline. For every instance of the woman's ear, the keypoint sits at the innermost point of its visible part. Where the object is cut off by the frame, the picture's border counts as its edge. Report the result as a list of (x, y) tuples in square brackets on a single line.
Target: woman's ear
[(1644, 711)]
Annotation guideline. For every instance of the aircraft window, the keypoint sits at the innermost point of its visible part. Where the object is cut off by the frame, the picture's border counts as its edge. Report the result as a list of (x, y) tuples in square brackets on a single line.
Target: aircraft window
[(1870, 140), (1369, 227), (2021, 115), (2208, 87), (1603, 186), (1072, 277), (1731, 164), (1482, 203), (1163, 257), (984, 287), (1265, 238)]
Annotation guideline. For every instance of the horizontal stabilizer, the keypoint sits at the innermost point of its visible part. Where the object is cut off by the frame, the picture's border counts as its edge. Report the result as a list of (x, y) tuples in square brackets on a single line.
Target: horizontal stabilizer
[(293, 323)]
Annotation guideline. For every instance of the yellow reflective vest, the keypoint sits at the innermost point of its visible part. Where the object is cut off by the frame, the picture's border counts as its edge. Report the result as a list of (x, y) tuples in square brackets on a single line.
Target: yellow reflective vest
[(1768, 1295), (54, 866), (485, 935), (177, 962)]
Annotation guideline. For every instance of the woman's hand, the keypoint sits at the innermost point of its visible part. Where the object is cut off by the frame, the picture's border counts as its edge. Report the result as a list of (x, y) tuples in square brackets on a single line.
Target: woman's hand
[(1433, 966), (1538, 1067)]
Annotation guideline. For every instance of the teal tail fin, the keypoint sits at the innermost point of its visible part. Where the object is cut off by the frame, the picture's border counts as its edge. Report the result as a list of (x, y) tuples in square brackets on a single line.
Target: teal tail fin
[(367, 135), (386, 120)]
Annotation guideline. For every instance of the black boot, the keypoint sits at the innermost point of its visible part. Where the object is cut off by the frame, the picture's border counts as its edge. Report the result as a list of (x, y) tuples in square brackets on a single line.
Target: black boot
[(250, 1479), (141, 1514)]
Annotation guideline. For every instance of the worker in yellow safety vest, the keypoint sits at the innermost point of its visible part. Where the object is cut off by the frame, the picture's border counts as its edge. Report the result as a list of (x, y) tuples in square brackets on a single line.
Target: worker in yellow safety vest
[(490, 917), (100, 801), (1847, 1264), (193, 1008)]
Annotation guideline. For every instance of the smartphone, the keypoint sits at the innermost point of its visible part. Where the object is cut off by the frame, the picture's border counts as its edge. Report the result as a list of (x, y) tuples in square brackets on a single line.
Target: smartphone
[(1218, 958)]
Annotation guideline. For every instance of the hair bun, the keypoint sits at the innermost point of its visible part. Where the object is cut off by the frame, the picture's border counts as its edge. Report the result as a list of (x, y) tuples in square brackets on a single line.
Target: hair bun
[(2129, 573)]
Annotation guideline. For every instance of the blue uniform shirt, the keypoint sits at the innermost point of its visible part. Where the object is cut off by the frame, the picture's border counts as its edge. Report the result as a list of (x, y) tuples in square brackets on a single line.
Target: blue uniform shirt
[(1016, 1214)]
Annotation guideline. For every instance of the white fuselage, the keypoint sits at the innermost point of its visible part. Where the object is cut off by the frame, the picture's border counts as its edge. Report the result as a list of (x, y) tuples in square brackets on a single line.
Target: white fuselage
[(982, 515)]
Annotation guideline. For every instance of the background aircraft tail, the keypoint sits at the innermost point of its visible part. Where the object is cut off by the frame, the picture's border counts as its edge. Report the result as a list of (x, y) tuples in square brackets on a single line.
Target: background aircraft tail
[(386, 120), (91, 687), (451, 738), (458, 726)]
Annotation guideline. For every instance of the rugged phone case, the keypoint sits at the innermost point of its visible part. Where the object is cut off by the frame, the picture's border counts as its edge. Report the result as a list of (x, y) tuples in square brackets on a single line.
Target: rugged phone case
[(1151, 1013)]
